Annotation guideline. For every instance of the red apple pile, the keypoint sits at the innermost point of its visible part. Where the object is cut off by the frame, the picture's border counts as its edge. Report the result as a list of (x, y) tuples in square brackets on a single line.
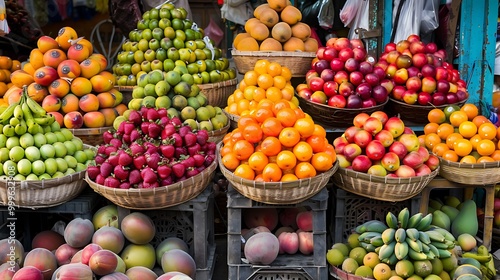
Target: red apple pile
[(383, 146), (343, 76), (420, 75), (150, 150)]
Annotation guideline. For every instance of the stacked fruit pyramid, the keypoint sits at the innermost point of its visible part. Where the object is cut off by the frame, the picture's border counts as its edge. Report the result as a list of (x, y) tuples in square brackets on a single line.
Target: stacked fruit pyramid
[(405, 247), (34, 147), (7, 66), (165, 39), (276, 26), (70, 81)]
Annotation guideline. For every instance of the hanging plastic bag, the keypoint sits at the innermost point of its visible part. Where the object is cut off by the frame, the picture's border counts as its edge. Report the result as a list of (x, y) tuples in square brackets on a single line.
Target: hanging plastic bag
[(430, 18), (361, 19), (214, 32), (349, 11), (4, 27), (407, 20), (326, 14)]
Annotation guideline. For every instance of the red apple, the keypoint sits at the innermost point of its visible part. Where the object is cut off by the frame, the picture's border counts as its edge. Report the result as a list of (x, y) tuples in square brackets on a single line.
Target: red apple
[(390, 161), (389, 47), (365, 67), (441, 73), (439, 98), (321, 65), (375, 150), (462, 95), (399, 149), (451, 98), (356, 78), (424, 98), (318, 97), (316, 84), (368, 103), (342, 43), (405, 171), (384, 137), (431, 47), (432, 162), (359, 54), (361, 163), (423, 170), (346, 89), (417, 47), (364, 90), (351, 65), (351, 151), (341, 76), (414, 84), (336, 64), (330, 88), (413, 160), (372, 79), (329, 54), (442, 86), (337, 101), (414, 72), (345, 54)]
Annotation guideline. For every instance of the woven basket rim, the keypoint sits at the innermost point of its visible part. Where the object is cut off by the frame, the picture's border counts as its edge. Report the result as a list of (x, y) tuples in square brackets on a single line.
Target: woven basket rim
[(334, 109), (430, 107), (273, 53), (481, 165), (338, 273), (385, 180), (90, 131), (226, 83), (219, 131)]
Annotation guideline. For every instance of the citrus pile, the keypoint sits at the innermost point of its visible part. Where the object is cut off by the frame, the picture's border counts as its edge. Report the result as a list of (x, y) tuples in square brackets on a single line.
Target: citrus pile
[(266, 84), (277, 143), (70, 81), (461, 134), (7, 66), (276, 26)]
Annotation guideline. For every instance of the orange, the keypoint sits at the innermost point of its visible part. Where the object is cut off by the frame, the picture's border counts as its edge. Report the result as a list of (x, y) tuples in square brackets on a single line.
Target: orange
[(243, 149), (266, 103), (382, 271), (318, 143), (248, 92), (244, 121), (305, 170), (303, 151), (278, 105), (444, 130), (250, 78), (485, 159), (270, 146), (5, 62), (322, 161), (289, 178), (462, 147), (305, 126), (430, 127), (458, 117), (474, 140), (300, 114), (261, 66), (259, 94), (479, 120), (230, 161), (286, 73), (226, 149), (439, 149), (252, 133), (485, 147), (257, 161), (496, 155), (468, 159), (487, 131), (289, 136), (265, 81), (286, 116), (279, 82), (450, 155), (471, 110), (271, 127), (274, 94), (330, 149), (467, 129), (272, 173), (243, 105), (244, 171), (274, 69), (287, 92), (436, 116), (452, 138), (319, 131), (286, 160)]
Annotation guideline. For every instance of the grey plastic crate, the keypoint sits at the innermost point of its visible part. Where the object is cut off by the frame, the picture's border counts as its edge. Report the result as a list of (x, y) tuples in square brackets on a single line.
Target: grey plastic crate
[(297, 266)]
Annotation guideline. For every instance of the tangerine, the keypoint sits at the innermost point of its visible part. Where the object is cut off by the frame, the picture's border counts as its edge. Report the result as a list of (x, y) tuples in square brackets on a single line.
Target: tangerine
[(271, 127), (471, 110), (289, 136), (244, 171), (305, 126), (322, 161), (270, 146), (305, 170), (286, 160), (467, 129), (287, 117), (462, 147), (272, 173), (436, 116), (485, 147), (252, 132), (243, 149), (487, 131), (303, 151), (257, 161)]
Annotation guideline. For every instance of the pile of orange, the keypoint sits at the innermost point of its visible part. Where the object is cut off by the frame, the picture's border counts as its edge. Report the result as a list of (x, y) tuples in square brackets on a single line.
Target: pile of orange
[(65, 76), (276, 26), (7, 66), (461, 134), (277, 144), (267, 83)]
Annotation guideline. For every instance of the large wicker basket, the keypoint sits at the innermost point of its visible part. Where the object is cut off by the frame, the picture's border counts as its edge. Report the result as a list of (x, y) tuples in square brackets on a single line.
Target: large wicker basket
[(217, 135), (126, 92), (338, 273), (416, 114), (298, 62), (233, 120), (157, 198), (485, 173), (381, 188), (331, 117), (42, 193), (91, 136), (277, 192), (217, 93)]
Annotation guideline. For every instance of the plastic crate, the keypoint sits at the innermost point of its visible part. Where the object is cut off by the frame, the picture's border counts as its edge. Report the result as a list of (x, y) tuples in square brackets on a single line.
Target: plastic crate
[(351, 210), (191, 221), (297, 266)]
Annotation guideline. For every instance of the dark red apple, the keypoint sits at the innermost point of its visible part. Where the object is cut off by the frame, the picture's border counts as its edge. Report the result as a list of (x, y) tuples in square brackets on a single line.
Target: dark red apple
[(327, 75), (354, 102), (356, 78), (441, 73), (414, 72), (379, 71), (345, 54), (368, 103), (364, 90), (379, 94), (372, 79), (399, 149), (389, 47), (438, 98), (359, 54), (431, 47), (351, 65), (375, 150), (442, 86), (462, 95), (321, 65), (361, 163), (451, 98), (424, 98), (365, 67), (428, 70)]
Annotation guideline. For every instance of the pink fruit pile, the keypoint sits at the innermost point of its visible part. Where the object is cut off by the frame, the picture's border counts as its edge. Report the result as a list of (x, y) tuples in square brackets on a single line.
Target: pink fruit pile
[(383, 146), (343, 76), (420, 74), (150, 150)]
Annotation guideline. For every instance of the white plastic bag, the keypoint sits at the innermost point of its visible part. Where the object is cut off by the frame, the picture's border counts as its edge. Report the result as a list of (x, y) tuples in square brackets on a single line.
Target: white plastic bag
[(349, 11), (326, 14), (409, 19), (4, 27), (361, 20), (430, 18)]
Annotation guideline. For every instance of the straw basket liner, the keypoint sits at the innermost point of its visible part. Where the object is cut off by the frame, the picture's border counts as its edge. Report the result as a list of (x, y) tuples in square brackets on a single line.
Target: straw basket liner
[(413, 113), (157, 198), (297, 62), (485, 173), (381, 188), (42, 193), (217, 135), (334, 117), (277, 192), (91, 136), (217, 93)]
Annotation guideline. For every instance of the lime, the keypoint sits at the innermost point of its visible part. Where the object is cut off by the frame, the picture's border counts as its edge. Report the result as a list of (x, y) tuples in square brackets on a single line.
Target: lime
[(32, 153), (24, 167), (16, 153), (335, 257), (38, 167), (61, 150)]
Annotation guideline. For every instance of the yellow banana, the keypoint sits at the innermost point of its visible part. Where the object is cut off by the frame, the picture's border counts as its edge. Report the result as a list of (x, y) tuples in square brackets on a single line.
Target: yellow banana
[(7, 114), (28, 116), (43, 121), (37, 110), (480, 258)]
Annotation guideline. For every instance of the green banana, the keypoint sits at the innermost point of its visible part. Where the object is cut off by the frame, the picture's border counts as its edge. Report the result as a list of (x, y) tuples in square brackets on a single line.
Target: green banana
[(443, 253), (392, 260), (18, 112), (447, 235), (439, 245), (424, 237), (425, 223), (376, 241), (412, 233), (386, 250), (28, 116), (449, 243), (416, 256), (43, 121), (388, 235), (425, 248), (414, 220), (366, 236), (480, 258), (362, 228), (430, 255), (434, 250), (400, 235), (403, 218), (401, 250), (37, 110), (435, 236), (482, 250), (367, 246), (376, 226), (415, 245), (391, 220), (7, 114)]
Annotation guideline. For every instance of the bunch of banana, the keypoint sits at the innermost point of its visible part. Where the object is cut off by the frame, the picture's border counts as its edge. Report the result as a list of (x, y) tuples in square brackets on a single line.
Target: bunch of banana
[(484, 257), (23, 116)]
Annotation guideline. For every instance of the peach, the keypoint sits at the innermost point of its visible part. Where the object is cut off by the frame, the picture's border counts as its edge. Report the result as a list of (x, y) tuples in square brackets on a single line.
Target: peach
[(280, 230), (103, 262), (178, 260), (254, 217), (81, 86), (89, 68), (103, 82), (115, 276), (6, 255), (306, 243), (28, 272), (69, 68), (138, 228), (110, 115), (288, 216), (20, 78), (109, 238), (73, 120), (78, 232), (51, 103), (89, 103), (78, 52), (37, 92), (101, 59), (88, 251), (262, 248), (54, 57), (59, 118), (73, 271), (305, 220), (77, 257), (47, 239), (64, 254), (7, 271), (140, 273), (42, 259), (289, 242), (59, 88)]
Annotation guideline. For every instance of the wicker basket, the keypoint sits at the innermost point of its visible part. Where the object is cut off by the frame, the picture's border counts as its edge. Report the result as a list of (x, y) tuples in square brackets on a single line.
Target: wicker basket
[(277, 192), (233, 120), (416, 114), (91, 136), (217, 135), (42, 193), (381, 188), (217, 93), (157, 198), (298, 62), (338, 273), (126, 92), (485, 173), (331, 117)]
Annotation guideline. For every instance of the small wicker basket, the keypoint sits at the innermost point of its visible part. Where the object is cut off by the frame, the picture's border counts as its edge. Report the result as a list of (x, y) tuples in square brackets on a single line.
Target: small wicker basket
[(91, 136), (233, 120), (381, 188), (277, 192), (217, 93), (485, 173), (298, 62), (338, 273), (157, 198), (416, 114), (217, 135), (331, 117)]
